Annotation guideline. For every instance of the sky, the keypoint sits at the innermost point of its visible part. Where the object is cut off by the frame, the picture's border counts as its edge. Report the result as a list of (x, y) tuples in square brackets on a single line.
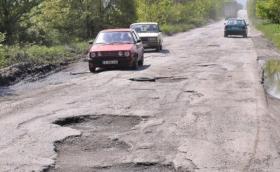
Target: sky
[(243, 2)]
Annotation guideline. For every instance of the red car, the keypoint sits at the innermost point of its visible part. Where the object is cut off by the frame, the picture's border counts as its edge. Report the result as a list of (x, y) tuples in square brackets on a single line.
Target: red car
[(116, 48)]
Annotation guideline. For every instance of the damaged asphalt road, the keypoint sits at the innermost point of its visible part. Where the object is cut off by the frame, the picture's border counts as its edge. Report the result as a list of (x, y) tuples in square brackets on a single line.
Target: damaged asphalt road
[(212, 118)]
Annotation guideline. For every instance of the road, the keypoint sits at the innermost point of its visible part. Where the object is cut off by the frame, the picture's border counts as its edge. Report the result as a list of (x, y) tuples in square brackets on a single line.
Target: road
[(206, 112)]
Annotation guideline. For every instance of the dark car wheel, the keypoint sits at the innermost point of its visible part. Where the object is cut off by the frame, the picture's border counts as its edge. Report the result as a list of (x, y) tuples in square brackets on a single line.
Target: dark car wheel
[(245, 35), (159, 48), (91, 67), (141, 62), (135, 65), (225, 35)]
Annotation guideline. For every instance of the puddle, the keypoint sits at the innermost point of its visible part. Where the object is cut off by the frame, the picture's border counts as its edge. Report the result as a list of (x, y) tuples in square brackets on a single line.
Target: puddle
[(272, 78), (171, 79), (99, 144)]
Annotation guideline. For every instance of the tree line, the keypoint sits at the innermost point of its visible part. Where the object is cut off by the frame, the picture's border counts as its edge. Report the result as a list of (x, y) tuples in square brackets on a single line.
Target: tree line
[(268, 10), (49, 22)]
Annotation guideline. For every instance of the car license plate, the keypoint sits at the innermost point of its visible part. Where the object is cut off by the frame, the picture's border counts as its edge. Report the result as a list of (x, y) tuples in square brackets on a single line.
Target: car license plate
[(145, 44), (235, 28), (110, 62)]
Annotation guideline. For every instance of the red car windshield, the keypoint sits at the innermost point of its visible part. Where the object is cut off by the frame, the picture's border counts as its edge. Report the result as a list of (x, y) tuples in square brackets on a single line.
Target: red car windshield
[(114, 38)]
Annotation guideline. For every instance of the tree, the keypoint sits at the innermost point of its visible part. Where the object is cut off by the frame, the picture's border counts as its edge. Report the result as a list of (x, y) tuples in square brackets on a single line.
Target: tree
[(269, 9), (67, 20), (11, 12), (2, 37)]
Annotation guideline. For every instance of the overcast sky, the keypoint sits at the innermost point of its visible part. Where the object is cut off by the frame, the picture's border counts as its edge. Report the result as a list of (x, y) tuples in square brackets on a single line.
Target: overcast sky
[(243, 2)]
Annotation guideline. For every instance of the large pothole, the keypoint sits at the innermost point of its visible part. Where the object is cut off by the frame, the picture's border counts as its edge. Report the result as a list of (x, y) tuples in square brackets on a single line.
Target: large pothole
[(99, 148)]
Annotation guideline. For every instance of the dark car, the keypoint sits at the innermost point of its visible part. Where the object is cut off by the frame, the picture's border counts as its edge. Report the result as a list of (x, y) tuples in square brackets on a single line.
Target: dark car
[(236, 27), (116, 48)]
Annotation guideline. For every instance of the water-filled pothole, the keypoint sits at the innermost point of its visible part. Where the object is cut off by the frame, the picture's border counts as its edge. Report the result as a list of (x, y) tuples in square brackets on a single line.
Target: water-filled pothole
[(98, 145), (271, 78)]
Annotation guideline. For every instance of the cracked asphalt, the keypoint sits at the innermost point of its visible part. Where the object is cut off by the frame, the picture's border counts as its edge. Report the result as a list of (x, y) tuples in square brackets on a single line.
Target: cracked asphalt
[(213, 118)]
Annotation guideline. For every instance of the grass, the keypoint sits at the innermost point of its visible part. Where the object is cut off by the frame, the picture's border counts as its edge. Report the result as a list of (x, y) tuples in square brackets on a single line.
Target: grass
[(172, 29), (272, 67), (39, 55), (271, 31)]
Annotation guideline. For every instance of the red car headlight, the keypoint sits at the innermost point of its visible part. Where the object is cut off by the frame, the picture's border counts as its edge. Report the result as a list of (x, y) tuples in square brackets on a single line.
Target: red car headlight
[(120, 53), (127, 54)]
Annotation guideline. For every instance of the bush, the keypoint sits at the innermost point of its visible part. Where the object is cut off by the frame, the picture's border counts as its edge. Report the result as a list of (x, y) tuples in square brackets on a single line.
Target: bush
[(40, 55), (2, 58), (2, 37), (172, 29)]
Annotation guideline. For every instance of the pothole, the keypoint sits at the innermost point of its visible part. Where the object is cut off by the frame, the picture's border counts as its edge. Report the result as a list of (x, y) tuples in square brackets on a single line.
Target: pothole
[(207, 65), (171, 79), (213, 45), (140, 167), (98, 144)]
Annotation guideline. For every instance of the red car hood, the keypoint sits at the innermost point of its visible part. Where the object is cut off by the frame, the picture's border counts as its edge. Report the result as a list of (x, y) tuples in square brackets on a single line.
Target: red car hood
[(111, 47)]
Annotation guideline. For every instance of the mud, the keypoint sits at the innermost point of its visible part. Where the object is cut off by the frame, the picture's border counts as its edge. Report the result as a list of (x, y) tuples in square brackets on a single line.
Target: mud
[(16, 73)]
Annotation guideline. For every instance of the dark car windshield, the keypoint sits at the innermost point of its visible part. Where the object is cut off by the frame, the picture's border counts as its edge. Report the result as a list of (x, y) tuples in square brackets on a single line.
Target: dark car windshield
[(114, 37), (236, 22), (144, 28)]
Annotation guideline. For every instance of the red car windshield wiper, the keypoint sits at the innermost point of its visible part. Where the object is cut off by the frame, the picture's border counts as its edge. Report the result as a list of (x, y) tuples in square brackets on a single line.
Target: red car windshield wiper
[(121, 42)]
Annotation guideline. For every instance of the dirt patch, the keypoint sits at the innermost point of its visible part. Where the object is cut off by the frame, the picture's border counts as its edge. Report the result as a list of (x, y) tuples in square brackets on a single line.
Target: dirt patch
[(15, 73), (30, 72), (98, 148)]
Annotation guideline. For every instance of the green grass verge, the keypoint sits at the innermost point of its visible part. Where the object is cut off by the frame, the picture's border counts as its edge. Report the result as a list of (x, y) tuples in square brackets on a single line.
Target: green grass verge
[(272, 67), (172, 29), (39, 55), (271, 31)]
